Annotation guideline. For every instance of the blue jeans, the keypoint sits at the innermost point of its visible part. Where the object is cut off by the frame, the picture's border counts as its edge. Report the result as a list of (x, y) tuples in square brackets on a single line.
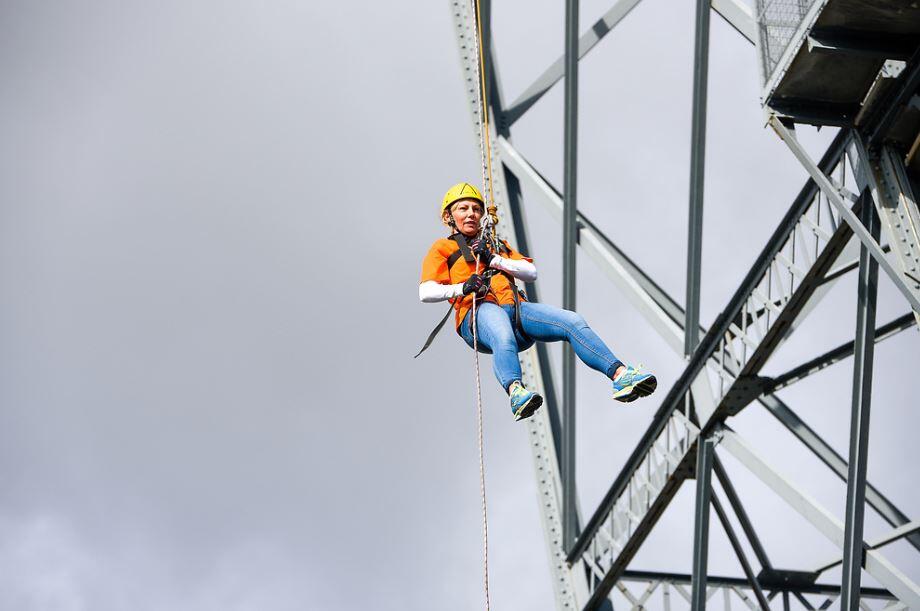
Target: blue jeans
[(497, 334)]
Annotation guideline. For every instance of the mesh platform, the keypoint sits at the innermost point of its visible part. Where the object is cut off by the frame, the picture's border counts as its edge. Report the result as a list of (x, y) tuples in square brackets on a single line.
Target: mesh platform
[(778, 20)]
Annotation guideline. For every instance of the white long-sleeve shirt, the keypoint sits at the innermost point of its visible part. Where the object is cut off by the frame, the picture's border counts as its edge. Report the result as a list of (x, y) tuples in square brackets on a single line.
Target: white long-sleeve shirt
[(432, 292)]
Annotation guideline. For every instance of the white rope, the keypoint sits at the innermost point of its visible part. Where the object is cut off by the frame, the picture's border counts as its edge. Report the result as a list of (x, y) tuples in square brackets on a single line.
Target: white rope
[(487, 188), (482, 469)]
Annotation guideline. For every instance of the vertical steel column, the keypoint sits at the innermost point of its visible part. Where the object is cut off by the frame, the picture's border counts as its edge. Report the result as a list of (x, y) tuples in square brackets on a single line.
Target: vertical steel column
[(867, 293), (705, 450), (697, 175), (569, 228)]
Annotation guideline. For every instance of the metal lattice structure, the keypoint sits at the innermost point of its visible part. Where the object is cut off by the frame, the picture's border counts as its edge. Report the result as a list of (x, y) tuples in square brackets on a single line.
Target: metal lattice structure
[(859, 193)]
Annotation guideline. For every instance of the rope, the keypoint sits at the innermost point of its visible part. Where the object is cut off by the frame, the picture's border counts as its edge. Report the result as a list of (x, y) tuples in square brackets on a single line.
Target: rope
[(485, 156), (482, 468)]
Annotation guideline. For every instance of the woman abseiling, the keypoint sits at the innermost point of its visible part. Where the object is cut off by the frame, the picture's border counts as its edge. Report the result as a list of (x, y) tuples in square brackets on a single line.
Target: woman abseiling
[(506, 323)]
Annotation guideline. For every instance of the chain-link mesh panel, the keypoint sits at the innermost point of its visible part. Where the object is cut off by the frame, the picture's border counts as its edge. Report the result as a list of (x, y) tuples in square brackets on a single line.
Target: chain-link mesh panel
[(778, 20)]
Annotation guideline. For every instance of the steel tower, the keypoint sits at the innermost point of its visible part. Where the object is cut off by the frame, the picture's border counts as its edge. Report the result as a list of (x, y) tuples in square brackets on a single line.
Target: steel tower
[(851, 64)]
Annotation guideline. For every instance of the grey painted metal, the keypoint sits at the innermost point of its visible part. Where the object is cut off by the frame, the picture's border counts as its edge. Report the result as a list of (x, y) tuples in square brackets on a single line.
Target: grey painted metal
[(738, 15), (569, 229), (697, 174), (895, 535), (867, 296), (784, 25), (738, 585), (648, 299), (826, 523), (739, 552), (806, 216), (835, 196), (569, 585), (556, 71), (720, 338), (834, 461), (839, 353), (666, 317), (845, 268), (735, 501), (802, 215), (884, 175), (897, 207), (909, 83), (705, 448)]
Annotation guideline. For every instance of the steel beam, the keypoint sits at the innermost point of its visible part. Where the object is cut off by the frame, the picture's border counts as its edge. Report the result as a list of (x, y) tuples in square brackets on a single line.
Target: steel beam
[(569, 237), (556, 71), (882, 172), (735, 501), (676, 395), (846, 268), (718, 581), (648, 298), (895, 535), (705, 448), (875, 563), (859, 423), (659, 309), (666, 316), (910, 81), (900, 216), (834, 461), (839, 353), (738, 15), (835, 196), (739, 553), (697, 175)]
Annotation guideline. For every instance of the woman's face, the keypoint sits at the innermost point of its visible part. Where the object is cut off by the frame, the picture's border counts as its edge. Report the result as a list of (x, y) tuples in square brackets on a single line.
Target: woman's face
[(466, 214)]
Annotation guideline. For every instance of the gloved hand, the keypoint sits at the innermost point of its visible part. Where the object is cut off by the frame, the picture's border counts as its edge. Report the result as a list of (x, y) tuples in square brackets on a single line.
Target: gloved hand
[(475, 284), (481, 249)]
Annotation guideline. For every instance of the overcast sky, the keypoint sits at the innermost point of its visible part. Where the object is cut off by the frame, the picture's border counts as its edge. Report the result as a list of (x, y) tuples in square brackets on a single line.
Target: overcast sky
[(212, 217)]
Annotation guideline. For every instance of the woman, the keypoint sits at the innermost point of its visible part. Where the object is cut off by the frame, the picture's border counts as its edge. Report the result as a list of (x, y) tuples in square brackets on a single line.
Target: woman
[(505, 322)]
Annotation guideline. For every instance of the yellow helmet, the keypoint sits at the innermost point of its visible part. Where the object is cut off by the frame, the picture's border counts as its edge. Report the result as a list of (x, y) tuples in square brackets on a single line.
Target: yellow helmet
[(461, 190)]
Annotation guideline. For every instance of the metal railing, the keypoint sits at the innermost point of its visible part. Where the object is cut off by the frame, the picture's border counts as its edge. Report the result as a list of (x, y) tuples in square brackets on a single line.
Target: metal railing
[(778, 21)]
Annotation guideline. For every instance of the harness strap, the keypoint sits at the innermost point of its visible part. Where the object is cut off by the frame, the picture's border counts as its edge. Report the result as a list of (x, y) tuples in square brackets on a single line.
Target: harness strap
[(517, 304), (436, 330), (467, 254)]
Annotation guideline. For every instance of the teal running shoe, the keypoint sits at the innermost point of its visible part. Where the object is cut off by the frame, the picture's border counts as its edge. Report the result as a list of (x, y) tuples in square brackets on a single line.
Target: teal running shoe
[(633, 383), (524, 402)]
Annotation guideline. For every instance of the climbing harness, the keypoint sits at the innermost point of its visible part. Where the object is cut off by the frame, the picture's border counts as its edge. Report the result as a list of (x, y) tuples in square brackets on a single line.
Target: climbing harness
[(463, 251)]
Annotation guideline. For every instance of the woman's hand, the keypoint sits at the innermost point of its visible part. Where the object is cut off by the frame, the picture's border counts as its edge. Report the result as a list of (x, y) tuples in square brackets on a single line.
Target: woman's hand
[(475, 284), (480, 249)]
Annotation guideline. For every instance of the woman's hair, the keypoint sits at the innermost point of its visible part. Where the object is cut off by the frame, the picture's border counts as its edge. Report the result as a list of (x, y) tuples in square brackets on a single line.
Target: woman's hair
[(447, 217)]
